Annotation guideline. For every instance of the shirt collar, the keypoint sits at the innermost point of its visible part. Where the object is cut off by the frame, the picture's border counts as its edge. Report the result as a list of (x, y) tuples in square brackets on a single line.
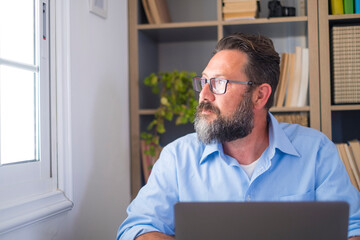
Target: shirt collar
[(209, 149), (277, 139)]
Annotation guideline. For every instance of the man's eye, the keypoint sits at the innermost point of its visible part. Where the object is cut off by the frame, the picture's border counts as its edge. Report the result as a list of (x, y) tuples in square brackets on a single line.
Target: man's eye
[(220, 82)]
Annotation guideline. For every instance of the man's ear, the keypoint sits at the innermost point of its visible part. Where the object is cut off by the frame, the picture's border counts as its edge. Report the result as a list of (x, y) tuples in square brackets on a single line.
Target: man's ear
[(261, 95)]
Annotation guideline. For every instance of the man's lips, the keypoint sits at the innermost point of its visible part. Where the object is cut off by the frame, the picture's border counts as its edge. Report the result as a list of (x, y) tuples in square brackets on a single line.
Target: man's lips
[(206, 108), (207, 111)]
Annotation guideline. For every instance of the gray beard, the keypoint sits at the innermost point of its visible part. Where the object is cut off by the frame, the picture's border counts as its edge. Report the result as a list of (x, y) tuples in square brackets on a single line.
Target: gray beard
[(225, 129)]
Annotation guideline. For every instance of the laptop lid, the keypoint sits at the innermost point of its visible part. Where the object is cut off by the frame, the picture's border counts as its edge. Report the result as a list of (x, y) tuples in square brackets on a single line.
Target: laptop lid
[(261, 220)]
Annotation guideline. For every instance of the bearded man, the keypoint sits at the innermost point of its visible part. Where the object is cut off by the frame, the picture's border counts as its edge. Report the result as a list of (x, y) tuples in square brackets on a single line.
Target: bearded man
[(239, 151)]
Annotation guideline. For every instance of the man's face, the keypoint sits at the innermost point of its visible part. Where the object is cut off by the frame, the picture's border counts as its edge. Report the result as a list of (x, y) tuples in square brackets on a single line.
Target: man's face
[(229, 116)]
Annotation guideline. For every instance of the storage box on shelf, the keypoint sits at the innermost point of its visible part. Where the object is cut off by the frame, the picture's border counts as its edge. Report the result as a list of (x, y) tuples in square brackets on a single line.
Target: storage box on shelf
[(187, 42)]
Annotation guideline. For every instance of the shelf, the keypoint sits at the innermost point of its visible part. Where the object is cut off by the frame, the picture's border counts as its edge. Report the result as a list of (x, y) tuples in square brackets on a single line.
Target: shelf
[(177, 25), (147, 111), (345, 107), (216, 23), (266, 20), (180, 32), (290, 109), (344, 17)]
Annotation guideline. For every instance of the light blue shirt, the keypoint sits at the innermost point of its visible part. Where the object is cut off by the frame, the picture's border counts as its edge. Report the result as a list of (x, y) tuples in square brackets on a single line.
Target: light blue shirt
[(300, 164)]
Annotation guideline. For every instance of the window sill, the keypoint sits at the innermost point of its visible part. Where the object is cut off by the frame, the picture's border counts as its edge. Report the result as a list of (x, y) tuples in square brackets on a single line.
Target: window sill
[(20, 214)]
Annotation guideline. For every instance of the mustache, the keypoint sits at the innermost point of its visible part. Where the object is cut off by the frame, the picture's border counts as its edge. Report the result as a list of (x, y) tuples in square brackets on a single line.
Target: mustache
[(207, 106)]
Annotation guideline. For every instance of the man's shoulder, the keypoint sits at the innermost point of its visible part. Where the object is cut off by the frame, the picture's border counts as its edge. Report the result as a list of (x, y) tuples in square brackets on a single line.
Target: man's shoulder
[(185, 142), (296, 131)]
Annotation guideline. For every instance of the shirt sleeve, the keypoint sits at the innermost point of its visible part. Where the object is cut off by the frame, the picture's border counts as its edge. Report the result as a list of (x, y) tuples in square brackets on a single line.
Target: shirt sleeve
[(153, 207), (333, 184)]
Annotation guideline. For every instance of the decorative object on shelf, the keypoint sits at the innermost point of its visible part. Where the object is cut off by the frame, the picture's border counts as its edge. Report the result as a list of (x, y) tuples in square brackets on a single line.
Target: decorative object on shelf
[(276, 10), (177, 98), (346, 63), (99, 7)]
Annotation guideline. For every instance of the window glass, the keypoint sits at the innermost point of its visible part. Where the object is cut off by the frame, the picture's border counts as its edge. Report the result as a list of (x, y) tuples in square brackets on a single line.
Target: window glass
[(18, 116), (19, 81), (17, 27)]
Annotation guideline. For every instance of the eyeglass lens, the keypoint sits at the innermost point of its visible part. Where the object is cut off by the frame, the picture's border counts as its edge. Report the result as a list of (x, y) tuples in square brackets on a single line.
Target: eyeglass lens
[(216, 85)]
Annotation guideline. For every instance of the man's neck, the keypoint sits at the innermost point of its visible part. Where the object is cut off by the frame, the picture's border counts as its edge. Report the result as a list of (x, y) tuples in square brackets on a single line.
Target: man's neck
[(248, 149)]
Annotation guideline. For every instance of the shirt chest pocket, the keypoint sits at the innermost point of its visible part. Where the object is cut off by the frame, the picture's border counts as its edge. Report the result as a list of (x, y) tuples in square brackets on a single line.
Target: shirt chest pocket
[(309, 196)]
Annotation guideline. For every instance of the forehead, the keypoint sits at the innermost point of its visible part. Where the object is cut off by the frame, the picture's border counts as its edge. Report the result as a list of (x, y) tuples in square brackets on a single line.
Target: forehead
[(226, 63)]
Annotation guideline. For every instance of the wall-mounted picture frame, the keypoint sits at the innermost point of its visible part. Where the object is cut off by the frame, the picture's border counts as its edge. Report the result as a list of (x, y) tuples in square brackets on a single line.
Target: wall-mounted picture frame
[(99, 7)]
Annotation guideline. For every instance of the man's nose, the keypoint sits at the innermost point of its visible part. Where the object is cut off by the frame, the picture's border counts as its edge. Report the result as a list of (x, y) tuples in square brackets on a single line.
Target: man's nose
[(206, 94)]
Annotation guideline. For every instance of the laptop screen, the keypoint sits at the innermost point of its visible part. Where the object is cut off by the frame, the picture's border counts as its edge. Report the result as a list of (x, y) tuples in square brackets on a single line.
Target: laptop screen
[(261, 220)]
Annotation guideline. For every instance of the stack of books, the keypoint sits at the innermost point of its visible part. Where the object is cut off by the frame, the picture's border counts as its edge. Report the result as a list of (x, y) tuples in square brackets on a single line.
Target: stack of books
[(292, 89), (156, 11), (346, 64), (239, 9), (350, 155)]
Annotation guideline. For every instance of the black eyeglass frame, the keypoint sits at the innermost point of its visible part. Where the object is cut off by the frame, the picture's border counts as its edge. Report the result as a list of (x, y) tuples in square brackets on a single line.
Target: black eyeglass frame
[(250, 83)]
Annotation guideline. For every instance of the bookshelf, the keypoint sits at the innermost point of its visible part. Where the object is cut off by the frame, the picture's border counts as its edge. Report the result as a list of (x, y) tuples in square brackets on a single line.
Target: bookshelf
[(339, 122), (187, 42)]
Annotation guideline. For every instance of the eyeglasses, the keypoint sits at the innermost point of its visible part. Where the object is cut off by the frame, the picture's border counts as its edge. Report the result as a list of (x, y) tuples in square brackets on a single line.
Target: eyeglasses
[(217, 85)]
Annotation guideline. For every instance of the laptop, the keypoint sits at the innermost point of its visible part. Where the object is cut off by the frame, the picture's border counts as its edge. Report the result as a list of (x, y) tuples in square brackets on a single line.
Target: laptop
[(261, 220)]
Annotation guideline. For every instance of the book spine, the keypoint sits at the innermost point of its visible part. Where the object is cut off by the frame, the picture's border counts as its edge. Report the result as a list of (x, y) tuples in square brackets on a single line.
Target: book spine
[(348, 6), (337, 7), (357, 6)]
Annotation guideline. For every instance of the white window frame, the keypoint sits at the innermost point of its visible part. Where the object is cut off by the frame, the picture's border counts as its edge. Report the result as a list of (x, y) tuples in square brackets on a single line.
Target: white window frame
[(58, 199)]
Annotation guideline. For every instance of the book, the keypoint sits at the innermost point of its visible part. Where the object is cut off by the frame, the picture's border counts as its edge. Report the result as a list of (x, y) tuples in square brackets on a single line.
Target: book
[(282, 63), (348, 6), (355, 148), (290, 79), (147, 11), (234, 7), (282, 80), (294, 85), (154, 11), (343, 157), (304, 81), (356, 6), (238, 16), (163, 11), (240, 4), (337, 7), (159, 11), (235, 1)]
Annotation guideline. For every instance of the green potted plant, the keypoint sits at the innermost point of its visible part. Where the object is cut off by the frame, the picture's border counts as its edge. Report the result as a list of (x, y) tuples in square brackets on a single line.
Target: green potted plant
[(177, 100)]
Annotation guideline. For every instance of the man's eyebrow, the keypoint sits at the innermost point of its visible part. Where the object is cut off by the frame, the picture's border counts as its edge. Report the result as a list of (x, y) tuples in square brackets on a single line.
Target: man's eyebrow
[(215, 75)]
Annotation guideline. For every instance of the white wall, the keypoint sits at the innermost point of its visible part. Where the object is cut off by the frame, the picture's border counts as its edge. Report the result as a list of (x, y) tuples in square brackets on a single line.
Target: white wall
[(100, 128)]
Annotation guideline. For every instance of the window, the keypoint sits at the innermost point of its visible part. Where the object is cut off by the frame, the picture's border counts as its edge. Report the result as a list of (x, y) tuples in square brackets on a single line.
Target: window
[(19, 82), (24, 95), (31, 122)]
